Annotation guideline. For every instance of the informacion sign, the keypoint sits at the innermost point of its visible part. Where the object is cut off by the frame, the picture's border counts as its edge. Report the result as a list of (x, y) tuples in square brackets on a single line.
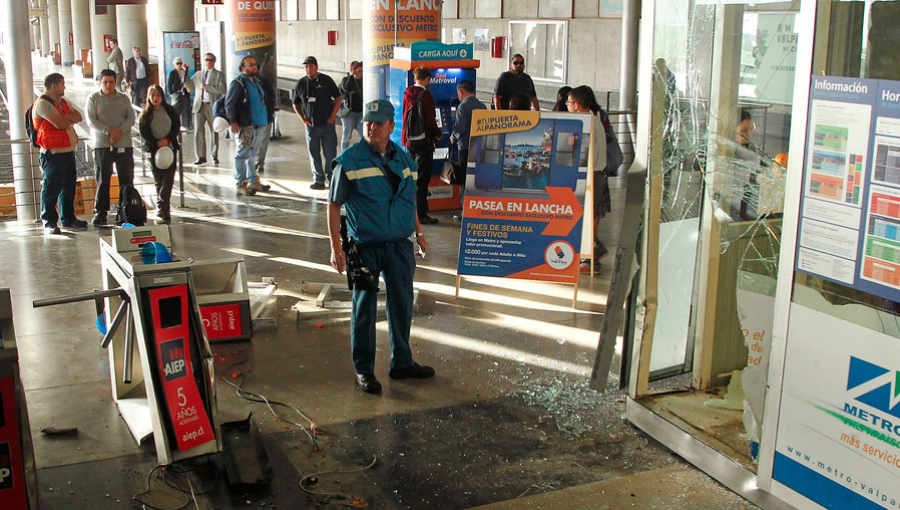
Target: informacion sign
[(525, 191), (850, 206), (12, 476), (838, 438), (172, 331)]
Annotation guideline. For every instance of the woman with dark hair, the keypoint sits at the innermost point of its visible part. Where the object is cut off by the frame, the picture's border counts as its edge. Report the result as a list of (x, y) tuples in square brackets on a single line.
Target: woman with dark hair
[(562, 95), (582, 99), (520, 101), (159, 125)]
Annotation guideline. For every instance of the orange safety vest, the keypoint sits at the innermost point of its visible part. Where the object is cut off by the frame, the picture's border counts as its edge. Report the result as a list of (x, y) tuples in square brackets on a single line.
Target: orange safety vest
[(48, 136)]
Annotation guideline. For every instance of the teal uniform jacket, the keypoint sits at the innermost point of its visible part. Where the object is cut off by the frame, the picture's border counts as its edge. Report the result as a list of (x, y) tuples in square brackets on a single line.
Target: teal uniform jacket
[(376, 213)]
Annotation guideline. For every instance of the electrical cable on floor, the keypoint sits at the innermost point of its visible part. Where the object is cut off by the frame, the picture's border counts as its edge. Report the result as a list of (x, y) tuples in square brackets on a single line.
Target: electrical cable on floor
[(182, 472), (343, 472), (256, 397)]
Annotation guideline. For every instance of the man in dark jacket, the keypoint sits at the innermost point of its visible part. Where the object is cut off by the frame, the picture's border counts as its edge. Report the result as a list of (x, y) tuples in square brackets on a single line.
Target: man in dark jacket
[(352, 92), (245, 107), (512, 82), (137, 75), (421, 146)]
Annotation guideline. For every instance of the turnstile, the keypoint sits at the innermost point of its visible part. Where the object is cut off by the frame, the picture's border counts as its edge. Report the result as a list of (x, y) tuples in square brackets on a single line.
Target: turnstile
[(170, 391), (18, 475)]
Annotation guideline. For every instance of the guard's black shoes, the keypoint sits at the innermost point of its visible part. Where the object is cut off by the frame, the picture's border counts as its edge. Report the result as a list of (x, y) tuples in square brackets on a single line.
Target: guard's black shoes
[(200, 161), (428, 220), (368, 383), (75, 225), (414, 371)]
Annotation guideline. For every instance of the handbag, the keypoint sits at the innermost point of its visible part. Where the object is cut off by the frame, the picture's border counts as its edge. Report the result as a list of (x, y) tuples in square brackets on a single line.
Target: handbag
[(453, 172), (614, 156), (344, 110)]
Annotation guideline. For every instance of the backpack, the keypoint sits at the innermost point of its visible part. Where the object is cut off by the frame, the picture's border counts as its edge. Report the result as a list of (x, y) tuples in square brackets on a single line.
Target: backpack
[(219, 105), (131, 207), (30, 130), (614, 156), (414, 120)]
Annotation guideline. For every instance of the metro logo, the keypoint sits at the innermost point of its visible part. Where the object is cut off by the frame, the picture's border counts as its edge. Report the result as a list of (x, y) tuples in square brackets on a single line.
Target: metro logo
[(6, 479), (875, 386), (172, 354)]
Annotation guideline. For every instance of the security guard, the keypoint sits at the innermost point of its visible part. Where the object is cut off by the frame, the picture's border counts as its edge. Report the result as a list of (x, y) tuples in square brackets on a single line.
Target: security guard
[(375, 181)]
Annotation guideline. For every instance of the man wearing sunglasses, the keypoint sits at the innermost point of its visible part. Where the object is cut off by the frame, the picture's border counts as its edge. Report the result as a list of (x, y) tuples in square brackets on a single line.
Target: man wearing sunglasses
[(514, 81), (208, 86)]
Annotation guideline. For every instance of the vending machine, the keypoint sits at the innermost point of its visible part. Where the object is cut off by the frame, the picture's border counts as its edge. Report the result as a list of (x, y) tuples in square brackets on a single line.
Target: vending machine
[(449, 65)]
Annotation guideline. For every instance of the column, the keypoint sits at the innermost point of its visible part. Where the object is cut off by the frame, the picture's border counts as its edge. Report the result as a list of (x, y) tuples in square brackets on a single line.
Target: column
[(81, 27), (103, 28), (383, 27), (19, 90), (131, 26), (44, 28), (250, 30), (52, 25), (67, 53)]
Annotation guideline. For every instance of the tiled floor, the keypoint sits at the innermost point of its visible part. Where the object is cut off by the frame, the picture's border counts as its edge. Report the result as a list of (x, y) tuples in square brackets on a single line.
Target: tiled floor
[(507, 423)]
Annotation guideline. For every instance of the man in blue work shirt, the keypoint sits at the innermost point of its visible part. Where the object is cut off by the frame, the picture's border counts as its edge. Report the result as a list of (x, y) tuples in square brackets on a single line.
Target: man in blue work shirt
[(245, 106), (375, 181), (317, 100)]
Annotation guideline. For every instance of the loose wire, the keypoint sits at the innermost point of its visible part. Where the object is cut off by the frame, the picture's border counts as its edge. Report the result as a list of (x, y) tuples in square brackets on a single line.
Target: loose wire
[(351, 471)]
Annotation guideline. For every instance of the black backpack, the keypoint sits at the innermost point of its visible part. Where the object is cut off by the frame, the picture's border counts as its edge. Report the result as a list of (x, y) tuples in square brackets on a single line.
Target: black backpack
[(131, 207), (414, 121), (219, 105), (30, 130)]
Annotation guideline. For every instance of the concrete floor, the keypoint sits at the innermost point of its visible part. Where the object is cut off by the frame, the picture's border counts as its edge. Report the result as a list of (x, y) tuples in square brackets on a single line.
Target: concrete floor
[(508, 422)]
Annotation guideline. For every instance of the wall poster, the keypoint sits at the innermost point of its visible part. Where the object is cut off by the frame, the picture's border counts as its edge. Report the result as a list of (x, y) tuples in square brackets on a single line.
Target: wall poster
[(525, 192), (850, 205)]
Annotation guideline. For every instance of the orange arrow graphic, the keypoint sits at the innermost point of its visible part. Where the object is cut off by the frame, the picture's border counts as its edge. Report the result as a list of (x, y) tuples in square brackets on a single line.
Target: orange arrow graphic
[(561, 211)]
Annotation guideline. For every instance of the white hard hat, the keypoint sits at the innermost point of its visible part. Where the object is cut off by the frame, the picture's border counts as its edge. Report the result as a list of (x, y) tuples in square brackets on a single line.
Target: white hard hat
[(220, 125), (164, 158)]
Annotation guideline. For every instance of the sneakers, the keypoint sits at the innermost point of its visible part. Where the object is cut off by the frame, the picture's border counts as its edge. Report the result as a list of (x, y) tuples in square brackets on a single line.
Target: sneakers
[(163, 218), (52, 229), (242, 189), (414, 371), (318, 186), (215, 160), (75, 225), (98, 219), (258, 186), (368, 383)]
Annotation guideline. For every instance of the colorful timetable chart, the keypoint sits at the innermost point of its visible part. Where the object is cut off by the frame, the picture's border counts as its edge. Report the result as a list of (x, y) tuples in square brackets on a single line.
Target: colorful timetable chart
[(854, 179), (831, 137), (881, 255)]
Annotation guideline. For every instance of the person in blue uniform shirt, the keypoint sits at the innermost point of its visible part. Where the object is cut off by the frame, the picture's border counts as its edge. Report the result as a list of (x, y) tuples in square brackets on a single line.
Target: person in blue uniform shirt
[(375, 181)]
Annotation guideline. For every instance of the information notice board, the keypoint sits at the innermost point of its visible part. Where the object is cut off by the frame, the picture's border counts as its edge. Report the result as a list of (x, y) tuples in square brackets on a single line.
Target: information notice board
[(525, 191), (849, 228)]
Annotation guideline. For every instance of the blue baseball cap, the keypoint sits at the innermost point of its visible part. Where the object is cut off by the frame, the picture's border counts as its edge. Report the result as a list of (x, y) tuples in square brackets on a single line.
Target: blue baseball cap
[(380, 110)]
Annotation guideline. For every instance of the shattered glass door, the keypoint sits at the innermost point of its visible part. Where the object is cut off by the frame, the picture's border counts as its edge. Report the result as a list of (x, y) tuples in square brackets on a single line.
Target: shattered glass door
[(726, 70)]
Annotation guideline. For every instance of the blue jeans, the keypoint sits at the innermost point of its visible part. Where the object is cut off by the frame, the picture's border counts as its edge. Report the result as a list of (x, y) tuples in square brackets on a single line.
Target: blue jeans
[(260, 163), (352, 121), (246, 145), (396, 261), (58, 185), (321, 138)]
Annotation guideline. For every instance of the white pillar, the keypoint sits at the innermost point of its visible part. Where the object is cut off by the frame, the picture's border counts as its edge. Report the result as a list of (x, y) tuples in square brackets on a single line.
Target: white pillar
[(102, 24), (131, 26), (52, 25), (20, 94), (67, 53), (81, 26)]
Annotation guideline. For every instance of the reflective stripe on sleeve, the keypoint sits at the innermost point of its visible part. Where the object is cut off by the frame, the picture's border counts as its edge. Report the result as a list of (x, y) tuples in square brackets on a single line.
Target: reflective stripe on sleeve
[(363, 173)]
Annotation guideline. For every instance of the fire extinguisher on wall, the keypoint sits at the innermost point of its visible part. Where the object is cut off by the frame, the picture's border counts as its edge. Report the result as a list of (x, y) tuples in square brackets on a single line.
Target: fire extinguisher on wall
[(497, 47)]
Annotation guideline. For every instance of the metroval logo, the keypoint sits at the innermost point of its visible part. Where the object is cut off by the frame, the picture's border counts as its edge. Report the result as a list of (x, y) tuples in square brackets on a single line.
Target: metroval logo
[(875, 386)]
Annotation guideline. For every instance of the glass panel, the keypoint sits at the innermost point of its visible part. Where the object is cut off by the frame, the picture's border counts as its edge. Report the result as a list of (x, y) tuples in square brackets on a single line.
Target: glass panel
[(312, 9), (293, 12), (855, 40), (332, 9), (355, 9), (487, 8), (449, 9), (555, 8), (544, 46), (725, 68)]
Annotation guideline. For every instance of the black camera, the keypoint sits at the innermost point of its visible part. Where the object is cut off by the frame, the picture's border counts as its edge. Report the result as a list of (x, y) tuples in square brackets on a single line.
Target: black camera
[(359, 276)]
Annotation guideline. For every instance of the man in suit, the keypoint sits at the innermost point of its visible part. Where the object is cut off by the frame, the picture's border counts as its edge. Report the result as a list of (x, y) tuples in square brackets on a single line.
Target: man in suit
[(208, 86), (137, 75), (116, 62)]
